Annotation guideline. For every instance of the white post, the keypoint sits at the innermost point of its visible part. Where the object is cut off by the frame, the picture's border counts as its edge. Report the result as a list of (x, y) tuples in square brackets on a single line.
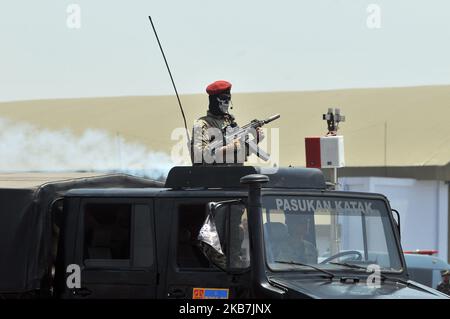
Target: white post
[(335, 178), (334, 232)]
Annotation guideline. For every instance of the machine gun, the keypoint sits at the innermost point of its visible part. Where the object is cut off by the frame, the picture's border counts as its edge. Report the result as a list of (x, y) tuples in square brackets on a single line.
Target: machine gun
[(233, 133)]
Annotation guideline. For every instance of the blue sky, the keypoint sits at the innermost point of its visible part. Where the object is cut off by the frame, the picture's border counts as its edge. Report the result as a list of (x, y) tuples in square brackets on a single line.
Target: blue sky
[(260, 46)]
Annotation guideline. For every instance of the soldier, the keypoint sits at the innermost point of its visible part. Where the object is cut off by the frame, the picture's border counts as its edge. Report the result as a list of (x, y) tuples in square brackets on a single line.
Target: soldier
[(212, 238), (297, 248), (207, 128), (444, 286)]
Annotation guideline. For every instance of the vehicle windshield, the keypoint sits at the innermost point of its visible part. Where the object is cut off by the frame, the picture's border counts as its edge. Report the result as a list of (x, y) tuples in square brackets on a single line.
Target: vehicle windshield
[(328, 232)]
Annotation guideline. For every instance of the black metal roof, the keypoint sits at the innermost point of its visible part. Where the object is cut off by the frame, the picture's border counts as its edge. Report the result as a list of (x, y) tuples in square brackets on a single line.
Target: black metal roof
[(229, 177)]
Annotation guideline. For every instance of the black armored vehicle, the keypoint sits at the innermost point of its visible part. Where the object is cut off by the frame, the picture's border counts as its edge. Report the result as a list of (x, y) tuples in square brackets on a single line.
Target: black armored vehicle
[(208, 232)]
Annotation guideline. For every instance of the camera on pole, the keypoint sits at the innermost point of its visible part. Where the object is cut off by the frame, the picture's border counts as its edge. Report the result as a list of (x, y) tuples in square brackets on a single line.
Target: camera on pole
[(327, 151), (333, 118)]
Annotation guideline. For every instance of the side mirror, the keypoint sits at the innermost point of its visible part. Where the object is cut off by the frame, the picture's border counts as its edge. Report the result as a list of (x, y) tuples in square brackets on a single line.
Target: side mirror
[(397, 220)]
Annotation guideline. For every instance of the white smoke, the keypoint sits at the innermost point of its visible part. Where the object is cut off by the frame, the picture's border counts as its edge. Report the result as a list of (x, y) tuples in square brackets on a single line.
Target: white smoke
[(24, 147)]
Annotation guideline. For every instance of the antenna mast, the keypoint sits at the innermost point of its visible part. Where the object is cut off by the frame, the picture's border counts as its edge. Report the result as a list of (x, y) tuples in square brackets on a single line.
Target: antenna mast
[(173, 83)]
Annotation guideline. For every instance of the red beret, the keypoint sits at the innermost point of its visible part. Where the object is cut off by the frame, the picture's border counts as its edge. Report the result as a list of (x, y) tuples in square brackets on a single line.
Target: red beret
[(218, 87)]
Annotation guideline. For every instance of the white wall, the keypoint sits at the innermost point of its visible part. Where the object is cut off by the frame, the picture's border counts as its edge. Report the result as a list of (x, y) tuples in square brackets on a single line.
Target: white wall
[(423, 208)]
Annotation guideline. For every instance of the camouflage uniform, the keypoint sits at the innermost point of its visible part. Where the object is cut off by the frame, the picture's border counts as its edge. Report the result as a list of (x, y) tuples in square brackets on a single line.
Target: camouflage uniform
[(213, 240), (218, 259), (201, 138), (444, 287), (298, 251)]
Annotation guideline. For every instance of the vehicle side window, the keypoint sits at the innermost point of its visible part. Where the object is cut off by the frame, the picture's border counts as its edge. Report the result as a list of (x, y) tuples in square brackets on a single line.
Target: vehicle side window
[(190, 220), (232, 228), (118, 235), (231, 225), (107, 229)]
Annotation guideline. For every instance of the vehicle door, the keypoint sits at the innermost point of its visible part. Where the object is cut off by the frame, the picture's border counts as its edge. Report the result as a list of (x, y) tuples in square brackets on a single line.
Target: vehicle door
[(113, 242), (191, 272)]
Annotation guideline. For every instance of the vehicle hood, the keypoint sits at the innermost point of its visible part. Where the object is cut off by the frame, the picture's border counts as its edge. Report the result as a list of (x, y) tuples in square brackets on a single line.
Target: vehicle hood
[(336, 289)]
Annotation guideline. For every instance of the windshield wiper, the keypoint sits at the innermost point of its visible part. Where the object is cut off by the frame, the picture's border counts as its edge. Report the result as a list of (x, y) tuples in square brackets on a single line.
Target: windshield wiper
[(329, 274), (348, 265), (382, 276)]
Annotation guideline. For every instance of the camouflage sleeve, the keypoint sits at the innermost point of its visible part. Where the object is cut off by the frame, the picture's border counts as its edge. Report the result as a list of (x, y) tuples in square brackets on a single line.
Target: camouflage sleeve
[(214, 256), (200, 141)]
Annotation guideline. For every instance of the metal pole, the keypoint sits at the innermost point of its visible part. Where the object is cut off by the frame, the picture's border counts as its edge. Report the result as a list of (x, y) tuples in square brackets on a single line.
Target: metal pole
[(335, 240), (335, 180)]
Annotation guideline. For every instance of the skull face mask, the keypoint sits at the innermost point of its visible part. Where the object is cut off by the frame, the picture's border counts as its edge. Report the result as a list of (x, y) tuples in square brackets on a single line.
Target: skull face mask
[(224, 102)]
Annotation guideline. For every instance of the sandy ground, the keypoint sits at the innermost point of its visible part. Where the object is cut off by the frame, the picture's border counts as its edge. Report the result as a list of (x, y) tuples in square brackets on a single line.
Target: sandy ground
[(391, 126)]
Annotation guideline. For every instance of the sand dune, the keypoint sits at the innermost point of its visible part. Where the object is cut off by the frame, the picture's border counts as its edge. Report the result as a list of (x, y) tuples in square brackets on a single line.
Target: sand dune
[(389, 126)]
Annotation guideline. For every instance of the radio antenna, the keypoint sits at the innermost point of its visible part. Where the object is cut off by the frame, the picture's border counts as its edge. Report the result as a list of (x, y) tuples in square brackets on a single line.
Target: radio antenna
[(173, 83)]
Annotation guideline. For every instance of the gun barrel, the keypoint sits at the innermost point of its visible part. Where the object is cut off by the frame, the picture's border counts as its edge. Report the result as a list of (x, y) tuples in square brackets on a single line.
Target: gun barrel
[(272, 118)]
